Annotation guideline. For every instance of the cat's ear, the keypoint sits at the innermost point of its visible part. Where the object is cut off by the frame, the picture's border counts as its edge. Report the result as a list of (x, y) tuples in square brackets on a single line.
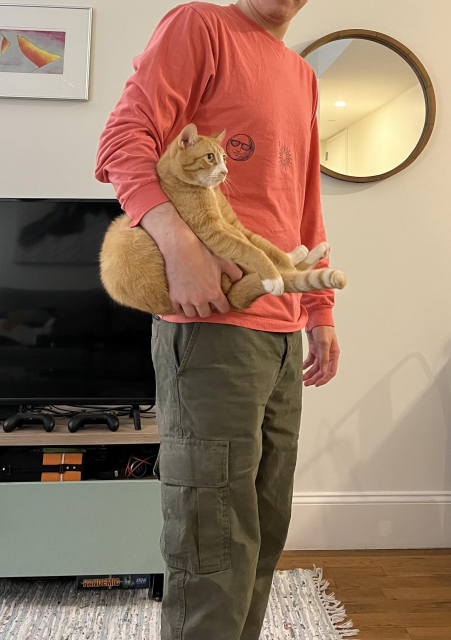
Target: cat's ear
[(188, 136), (219, 137)]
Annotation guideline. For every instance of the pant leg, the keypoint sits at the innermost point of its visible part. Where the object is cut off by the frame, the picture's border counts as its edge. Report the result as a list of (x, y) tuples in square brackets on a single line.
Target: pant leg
[(275, 478), (213, 384)]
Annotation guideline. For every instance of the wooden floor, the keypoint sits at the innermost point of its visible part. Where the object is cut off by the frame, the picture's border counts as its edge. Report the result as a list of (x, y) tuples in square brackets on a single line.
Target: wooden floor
[(389, 594)]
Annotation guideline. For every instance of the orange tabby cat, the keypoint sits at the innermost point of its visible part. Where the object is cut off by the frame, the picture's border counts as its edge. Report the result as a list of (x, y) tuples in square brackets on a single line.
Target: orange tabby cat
[(190, 171)]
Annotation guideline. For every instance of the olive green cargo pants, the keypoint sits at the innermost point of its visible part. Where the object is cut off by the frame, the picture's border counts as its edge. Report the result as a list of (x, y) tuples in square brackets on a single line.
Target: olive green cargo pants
[(228, 411)]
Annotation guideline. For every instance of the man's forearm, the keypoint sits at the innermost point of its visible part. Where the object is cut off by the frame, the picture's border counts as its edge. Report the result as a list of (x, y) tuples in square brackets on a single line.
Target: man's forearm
[(165, 226)]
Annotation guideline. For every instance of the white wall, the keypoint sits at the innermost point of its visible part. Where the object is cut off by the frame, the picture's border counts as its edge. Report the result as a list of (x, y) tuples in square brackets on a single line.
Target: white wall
[(374, 466), (378, 436)]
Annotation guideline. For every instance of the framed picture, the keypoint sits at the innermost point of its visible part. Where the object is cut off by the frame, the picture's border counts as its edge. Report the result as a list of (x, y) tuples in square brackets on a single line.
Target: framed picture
[(44, 51)]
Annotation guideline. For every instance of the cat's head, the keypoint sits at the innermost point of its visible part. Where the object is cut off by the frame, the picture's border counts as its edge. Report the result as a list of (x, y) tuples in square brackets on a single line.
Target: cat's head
[(198, 160)]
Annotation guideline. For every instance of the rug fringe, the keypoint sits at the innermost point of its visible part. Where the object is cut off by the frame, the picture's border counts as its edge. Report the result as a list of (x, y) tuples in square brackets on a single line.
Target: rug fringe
[(335, 610)]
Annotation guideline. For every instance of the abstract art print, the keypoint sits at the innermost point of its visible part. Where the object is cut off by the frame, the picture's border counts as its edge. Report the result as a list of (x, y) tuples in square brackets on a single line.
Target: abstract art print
[(28, 51), (44, 51)]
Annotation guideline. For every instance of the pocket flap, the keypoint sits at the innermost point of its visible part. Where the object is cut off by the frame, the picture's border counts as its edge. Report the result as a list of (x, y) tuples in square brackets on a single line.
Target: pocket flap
[(192, 462)]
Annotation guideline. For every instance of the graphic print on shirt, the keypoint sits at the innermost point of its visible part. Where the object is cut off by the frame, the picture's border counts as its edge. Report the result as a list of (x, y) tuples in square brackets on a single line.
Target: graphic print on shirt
[(284, 156), (240, 147)]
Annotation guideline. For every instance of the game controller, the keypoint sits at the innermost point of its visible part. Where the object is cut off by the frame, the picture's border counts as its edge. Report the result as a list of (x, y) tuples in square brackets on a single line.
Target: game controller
[(93, 417), (27, 418)]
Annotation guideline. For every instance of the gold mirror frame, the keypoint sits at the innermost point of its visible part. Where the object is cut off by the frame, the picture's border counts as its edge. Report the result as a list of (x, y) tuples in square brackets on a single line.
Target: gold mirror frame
[(423, 77)]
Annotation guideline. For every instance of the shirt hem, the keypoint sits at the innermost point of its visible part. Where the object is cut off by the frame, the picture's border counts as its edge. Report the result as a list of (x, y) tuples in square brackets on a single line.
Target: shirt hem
[(246, 321)]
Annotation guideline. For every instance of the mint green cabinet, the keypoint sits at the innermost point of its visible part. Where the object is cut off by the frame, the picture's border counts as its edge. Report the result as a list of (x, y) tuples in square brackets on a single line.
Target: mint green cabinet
[(80, 528)]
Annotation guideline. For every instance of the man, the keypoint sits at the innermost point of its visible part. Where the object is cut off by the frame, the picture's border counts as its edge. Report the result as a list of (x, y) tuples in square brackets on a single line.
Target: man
[(228, 384)]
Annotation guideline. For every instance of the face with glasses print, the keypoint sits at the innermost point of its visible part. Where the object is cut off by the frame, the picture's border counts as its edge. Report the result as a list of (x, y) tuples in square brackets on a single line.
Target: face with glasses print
[(240, 147)]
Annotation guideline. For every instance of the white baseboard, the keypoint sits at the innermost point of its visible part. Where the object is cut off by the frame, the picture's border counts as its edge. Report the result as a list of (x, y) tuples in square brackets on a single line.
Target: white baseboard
[(372, 520)]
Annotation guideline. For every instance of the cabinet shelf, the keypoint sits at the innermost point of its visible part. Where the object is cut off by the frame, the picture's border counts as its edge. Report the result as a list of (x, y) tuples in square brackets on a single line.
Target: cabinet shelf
[(90, 435)]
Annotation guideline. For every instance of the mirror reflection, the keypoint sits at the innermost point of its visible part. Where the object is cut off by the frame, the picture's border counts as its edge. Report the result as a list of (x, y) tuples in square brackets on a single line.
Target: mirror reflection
[(371, 109)]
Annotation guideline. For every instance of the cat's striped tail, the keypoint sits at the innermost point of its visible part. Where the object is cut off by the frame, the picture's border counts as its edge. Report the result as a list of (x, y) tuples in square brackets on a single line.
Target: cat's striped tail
[(314, 280), (244, 292)]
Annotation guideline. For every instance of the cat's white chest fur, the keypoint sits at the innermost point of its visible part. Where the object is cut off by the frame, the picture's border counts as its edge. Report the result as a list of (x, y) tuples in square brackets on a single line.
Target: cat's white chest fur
[(215, 201)]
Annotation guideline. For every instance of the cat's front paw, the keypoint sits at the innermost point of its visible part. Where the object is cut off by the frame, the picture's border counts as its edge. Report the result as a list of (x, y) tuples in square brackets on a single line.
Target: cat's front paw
[(298, 255), (275, 287)]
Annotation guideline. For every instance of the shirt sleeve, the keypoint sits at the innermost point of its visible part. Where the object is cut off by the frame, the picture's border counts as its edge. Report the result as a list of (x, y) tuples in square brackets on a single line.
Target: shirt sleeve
[(318, 304), (158, 100)]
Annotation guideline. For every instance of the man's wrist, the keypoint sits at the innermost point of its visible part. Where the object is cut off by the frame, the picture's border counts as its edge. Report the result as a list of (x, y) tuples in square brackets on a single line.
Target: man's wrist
[(164, 225)]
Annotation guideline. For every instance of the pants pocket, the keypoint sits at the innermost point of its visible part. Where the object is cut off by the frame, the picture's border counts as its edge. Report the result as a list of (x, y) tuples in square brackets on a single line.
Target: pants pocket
[(195, 503), (184, 340)]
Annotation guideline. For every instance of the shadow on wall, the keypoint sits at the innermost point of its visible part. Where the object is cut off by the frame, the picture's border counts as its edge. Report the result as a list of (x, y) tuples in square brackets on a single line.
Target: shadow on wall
[(419, 436)]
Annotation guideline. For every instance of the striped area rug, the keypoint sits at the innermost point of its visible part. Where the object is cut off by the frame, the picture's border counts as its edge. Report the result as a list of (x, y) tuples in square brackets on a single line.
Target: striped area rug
[(298, 609)]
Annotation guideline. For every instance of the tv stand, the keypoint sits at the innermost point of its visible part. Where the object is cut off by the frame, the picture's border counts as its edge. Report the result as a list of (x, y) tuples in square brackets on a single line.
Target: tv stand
[(103, 527)]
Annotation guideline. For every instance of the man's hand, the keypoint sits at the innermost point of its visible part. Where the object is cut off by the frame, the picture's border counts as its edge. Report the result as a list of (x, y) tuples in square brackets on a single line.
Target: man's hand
[(193, 272), (323, 356)]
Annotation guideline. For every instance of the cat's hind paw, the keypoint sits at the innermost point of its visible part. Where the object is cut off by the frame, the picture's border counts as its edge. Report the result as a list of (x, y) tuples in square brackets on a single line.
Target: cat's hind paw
[(318, 253), (275, 287), (298, 255), (324, 248)]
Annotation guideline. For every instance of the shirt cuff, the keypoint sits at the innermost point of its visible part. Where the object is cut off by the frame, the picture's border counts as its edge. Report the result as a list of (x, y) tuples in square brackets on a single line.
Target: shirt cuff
[(143, 200), (319, 316)]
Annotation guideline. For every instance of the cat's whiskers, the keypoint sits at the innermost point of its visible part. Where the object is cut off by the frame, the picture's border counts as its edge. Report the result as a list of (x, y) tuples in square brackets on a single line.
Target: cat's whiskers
[(230, 184), (235, 184), (226, 187)]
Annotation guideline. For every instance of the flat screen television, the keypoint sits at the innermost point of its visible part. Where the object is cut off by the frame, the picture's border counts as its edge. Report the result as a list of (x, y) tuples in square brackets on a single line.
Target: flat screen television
[(62, 339)]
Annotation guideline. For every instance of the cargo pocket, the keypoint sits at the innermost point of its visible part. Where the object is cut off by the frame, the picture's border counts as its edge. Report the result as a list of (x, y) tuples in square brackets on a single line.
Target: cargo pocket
[(195, 503)]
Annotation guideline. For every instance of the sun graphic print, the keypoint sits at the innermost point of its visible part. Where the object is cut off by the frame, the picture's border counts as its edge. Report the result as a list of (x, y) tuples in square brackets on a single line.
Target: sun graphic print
[(284, 156)]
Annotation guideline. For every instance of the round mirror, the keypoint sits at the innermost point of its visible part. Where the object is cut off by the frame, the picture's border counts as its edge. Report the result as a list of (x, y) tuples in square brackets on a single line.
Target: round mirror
[(376, 106)]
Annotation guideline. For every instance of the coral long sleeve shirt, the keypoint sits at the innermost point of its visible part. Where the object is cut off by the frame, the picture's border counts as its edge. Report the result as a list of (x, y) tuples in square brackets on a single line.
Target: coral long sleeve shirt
[(213, 66)]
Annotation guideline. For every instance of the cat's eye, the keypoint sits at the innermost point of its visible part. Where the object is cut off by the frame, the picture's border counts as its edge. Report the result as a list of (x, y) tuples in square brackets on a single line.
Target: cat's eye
[(210, 157)]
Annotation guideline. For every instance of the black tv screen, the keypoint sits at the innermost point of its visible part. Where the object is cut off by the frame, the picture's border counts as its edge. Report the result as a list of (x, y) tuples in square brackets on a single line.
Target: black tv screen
[(62, 339)]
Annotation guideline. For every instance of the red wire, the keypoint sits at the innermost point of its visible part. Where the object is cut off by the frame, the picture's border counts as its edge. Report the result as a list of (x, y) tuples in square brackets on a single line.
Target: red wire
[(128, 469)]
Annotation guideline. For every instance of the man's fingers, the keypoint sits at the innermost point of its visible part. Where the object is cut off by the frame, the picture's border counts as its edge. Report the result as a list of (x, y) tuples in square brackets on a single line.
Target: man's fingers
[(189, 310), (320, 369), (333, 364), (308, 361), (323, 377), (221, 304), (319, 379), (330, 373), (324, 364), (177, 307), (324, 380), (324, 355), (232, 270), (204, 310), (310, 373)]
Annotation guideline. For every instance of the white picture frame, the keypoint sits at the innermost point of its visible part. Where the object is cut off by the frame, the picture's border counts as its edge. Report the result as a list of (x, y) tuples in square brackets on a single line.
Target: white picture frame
[(44, 51)]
